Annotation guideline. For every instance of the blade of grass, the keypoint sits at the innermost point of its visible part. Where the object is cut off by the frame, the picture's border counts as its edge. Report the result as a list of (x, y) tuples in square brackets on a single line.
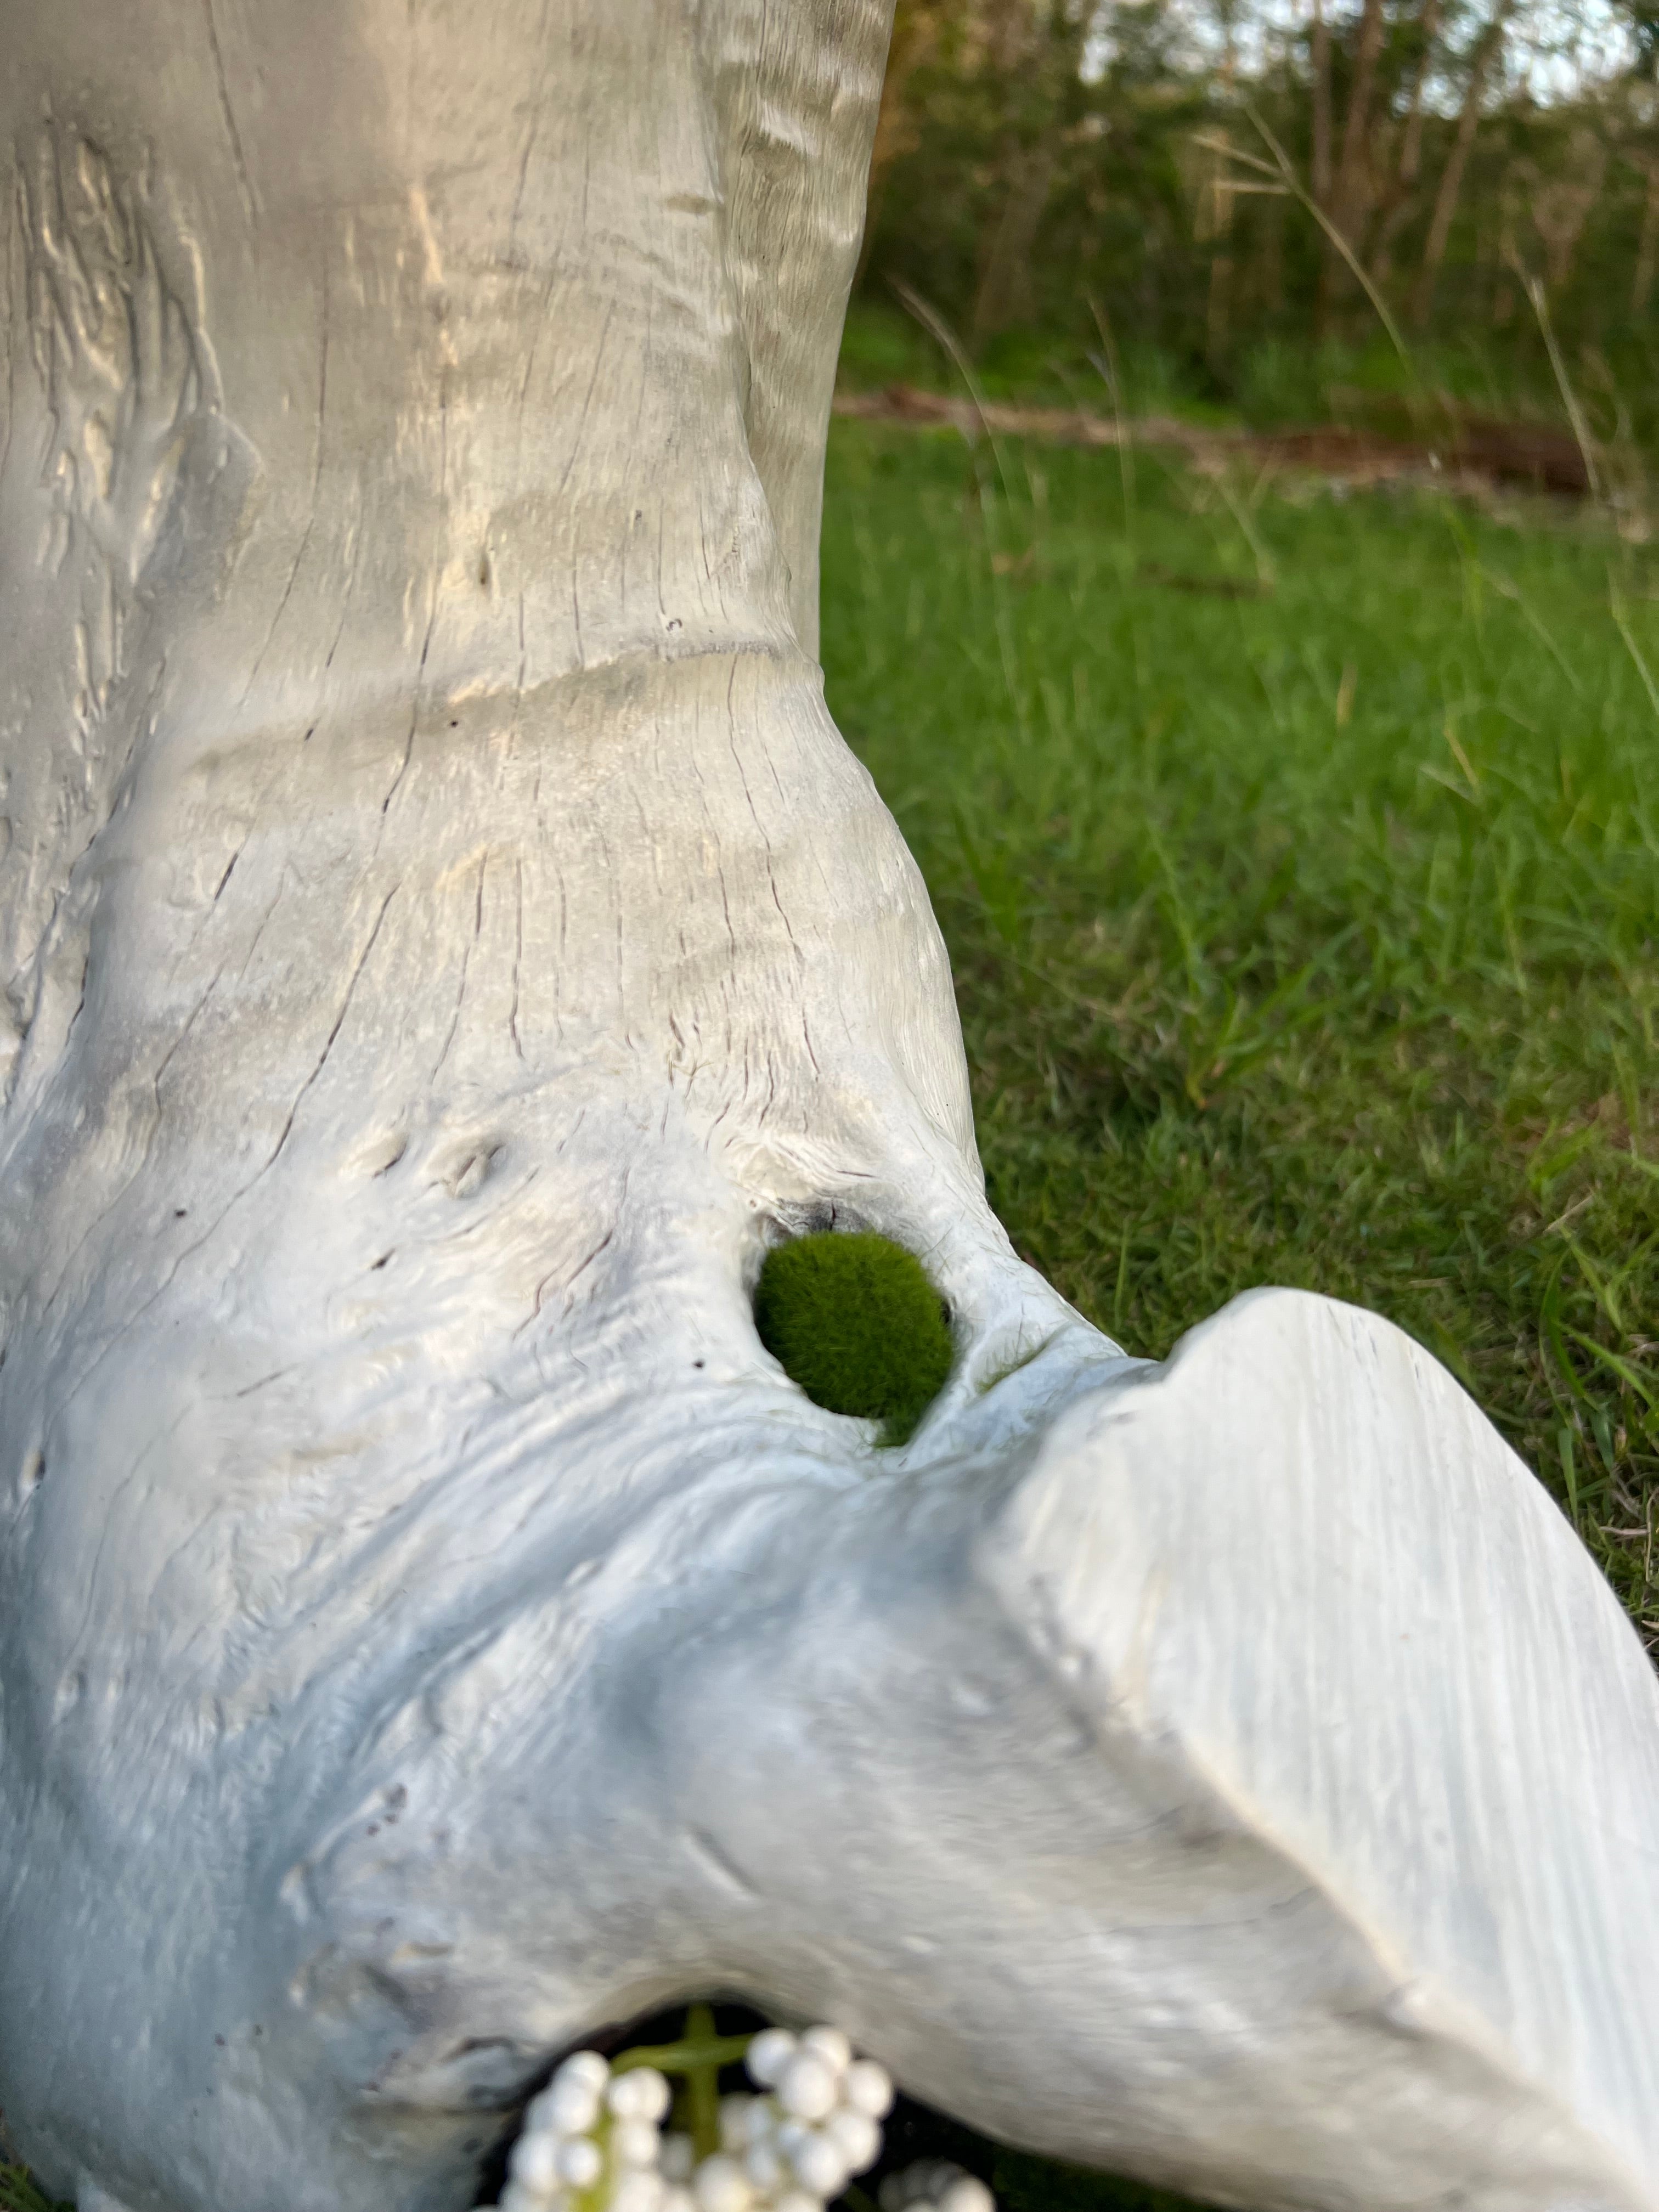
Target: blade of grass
[(1621, 623), (1533, 289), (1285, 169)]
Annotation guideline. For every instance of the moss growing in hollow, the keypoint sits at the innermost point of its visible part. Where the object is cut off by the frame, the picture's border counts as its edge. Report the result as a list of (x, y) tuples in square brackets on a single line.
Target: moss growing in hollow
[(852, 1318)]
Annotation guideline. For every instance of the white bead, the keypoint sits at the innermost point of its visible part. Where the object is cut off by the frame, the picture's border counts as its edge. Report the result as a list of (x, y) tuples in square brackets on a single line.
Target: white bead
[(769, 2054), (790, 2134), (806, 2087), (567, 2107), (820, 2167), (736, 2121), (678, 2159), (763, 2167), (722, 2186), (516, 2197), (637, 2191), (653, 2094), (534, 2160), (856, 2136), (967, 2195), (796, 2200), (641, 2094), (580, 2163), (867, 2087), (586, 2067), (831, 2045), (634, 2142)]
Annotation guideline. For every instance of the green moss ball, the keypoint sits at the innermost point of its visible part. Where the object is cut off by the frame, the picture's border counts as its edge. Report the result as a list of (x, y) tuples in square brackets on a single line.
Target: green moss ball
[(853, 1319)]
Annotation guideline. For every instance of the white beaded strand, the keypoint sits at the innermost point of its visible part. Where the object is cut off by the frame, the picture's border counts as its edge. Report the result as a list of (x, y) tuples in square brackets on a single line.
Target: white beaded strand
[(593, 2141), (769, 2054)]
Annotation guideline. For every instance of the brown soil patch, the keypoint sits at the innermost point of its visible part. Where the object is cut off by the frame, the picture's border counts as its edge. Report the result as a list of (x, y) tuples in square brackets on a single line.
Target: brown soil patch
[(1473, 452)]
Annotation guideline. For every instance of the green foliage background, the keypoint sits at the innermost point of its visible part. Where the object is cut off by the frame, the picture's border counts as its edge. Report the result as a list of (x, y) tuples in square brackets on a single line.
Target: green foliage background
[(1044, 166)]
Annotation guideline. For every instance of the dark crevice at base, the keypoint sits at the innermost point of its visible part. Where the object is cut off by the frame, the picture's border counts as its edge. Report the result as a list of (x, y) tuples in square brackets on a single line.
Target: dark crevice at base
[(1020, 2180)]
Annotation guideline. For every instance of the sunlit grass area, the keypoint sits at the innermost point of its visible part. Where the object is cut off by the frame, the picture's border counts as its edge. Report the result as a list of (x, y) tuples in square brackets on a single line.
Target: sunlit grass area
[(1298, 857)]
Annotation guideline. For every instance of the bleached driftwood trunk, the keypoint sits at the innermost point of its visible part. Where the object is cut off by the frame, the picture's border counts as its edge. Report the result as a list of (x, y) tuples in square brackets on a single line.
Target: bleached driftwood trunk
[(444, 938)]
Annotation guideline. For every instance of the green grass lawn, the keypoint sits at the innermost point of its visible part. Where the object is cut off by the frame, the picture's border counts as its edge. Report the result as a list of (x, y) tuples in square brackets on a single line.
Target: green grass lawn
[(1299, 864)]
